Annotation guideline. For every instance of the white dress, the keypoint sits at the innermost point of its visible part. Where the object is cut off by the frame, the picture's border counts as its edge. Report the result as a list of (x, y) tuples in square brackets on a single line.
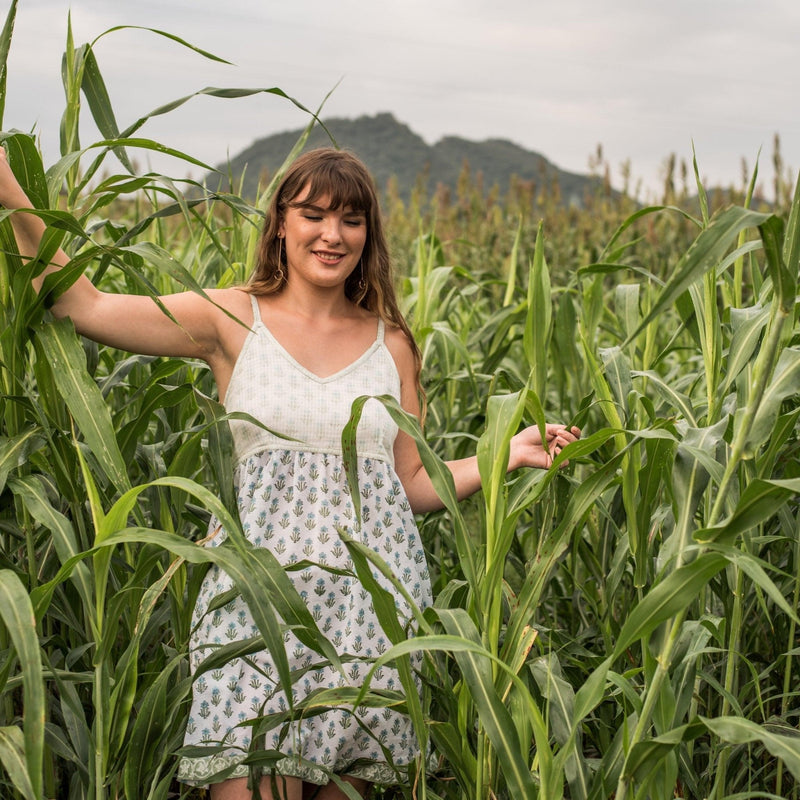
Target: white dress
[(293, 498)]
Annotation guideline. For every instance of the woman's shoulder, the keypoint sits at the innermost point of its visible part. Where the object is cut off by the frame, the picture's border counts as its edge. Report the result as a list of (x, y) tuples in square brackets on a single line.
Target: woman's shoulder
[(231, 298), (400, 348), (231, 303)]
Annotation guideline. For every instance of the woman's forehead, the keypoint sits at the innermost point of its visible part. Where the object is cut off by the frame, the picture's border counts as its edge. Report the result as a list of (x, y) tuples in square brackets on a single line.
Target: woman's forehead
[(316, 193)]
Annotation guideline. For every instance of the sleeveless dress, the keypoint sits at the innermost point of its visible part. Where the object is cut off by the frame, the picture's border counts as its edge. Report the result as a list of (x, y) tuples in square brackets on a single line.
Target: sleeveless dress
[(293, 498)]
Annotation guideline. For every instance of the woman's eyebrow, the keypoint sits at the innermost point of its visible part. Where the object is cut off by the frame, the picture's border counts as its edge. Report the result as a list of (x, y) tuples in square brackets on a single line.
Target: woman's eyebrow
[(348, 211)]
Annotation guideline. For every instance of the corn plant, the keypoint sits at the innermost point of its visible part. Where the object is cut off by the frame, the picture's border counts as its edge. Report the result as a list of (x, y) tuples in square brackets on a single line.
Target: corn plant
[(624, 626)]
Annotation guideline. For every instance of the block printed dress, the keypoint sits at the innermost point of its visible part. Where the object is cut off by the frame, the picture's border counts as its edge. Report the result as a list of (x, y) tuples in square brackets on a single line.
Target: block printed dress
[(293, 498)]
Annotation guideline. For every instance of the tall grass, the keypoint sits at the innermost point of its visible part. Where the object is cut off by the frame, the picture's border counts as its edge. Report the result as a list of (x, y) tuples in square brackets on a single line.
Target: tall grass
[(624, 626)]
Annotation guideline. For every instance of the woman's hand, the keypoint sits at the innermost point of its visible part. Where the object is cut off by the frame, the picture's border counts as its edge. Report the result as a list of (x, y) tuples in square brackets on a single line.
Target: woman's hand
[(528, 450)]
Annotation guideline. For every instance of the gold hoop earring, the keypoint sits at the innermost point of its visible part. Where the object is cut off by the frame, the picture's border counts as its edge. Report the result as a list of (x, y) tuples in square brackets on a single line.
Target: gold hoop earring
[(279, 274), (362, 284)]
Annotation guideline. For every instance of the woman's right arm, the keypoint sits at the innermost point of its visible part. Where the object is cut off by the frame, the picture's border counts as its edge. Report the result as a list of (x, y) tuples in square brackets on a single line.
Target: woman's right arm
[(129, 322)]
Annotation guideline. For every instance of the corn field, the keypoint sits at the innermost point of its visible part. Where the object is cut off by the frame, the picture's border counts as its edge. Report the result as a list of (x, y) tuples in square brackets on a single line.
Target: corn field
[(624, 627)]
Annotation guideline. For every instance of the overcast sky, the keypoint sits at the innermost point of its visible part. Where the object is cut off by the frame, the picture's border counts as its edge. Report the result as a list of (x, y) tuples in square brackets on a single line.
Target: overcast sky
[(641, 78)]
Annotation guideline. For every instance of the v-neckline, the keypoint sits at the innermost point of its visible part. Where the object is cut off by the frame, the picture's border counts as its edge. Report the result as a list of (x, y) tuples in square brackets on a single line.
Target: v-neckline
[(313, 375)]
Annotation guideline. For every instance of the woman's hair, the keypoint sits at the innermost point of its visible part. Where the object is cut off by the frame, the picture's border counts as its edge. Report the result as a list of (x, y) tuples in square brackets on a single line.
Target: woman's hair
[(343, 179)]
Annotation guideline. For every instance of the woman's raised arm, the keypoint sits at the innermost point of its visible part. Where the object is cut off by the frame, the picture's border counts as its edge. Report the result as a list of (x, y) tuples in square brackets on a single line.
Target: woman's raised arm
[(129, 322)]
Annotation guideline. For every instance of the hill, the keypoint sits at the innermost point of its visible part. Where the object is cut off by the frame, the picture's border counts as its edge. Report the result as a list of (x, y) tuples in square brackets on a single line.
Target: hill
[(391, 149)]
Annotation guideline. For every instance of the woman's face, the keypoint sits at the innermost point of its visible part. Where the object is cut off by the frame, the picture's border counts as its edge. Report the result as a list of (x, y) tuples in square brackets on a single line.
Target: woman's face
[(323, 245)]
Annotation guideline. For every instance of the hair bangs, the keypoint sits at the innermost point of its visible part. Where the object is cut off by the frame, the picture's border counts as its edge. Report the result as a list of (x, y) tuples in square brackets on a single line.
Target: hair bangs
[(340, 187)]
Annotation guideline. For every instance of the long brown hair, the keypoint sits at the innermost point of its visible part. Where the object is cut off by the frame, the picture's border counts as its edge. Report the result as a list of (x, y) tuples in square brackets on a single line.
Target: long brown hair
[(343, 179)]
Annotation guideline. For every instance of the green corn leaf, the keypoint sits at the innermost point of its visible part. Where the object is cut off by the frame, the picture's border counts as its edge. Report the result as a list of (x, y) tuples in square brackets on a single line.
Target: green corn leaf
[(706, 252), (559, 694), (60, 346), (59, 220), (504, 414), (645, 756), (71, 64), (12, 757), (5, 46), (121, 142), (127, 674), (147, 733), (759, 501), (94, 89), (748, 326), (493, 714), (538, 320), (583, 499), (784, 382), (782, 433), (591, 692), (210, 91), (694, 465), (668, 598), (565, 350), (756, 569), (791, 240), (171, 36), (673, 399), (701, 192), (383, 601), (451, 744), (635, 217), (34, 497), (781, 741), (26, 164), (220, 447), (653, 479), (57, 174), (784, 280), (17, 615), (363, 554), (627, 306), (617, 371), (560, 698), (262, 581), (158, 398), (15, 451), (452, 353), (513, 266)]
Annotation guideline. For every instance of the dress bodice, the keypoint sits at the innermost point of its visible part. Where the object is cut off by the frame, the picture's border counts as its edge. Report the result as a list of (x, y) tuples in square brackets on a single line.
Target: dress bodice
[(271, 386)]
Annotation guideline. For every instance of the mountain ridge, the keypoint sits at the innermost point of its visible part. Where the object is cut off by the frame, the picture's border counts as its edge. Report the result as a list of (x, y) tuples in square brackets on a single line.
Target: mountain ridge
[(391, 149)]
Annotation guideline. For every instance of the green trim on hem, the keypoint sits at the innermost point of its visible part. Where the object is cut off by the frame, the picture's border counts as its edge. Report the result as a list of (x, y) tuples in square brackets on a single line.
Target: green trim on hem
[(201, 771)]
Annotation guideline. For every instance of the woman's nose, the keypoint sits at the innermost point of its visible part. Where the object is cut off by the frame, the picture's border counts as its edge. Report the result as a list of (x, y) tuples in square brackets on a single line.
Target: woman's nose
[(331, 231)]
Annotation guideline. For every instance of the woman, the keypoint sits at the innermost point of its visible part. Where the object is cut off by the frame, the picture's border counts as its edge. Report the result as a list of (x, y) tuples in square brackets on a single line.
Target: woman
[(324, 329)]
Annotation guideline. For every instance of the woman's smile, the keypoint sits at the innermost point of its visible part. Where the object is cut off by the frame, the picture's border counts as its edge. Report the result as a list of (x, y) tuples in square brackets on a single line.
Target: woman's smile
[(328, 256)]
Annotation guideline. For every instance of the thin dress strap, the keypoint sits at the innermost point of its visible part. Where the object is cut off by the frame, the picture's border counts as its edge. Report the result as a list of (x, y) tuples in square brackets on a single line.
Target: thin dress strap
[(379, 337), (256, 311)]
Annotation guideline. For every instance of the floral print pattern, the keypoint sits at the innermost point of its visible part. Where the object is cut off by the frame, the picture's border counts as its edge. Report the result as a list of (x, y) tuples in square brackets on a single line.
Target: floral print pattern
[(296, 503)]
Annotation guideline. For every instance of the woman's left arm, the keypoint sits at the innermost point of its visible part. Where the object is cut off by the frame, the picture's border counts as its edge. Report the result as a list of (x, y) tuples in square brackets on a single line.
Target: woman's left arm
[(526, 448)]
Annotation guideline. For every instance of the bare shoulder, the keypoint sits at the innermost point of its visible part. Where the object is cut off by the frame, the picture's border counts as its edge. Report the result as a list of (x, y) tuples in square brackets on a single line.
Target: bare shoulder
[(400, 348), (235, 301), (230, 315), (231, 310)]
